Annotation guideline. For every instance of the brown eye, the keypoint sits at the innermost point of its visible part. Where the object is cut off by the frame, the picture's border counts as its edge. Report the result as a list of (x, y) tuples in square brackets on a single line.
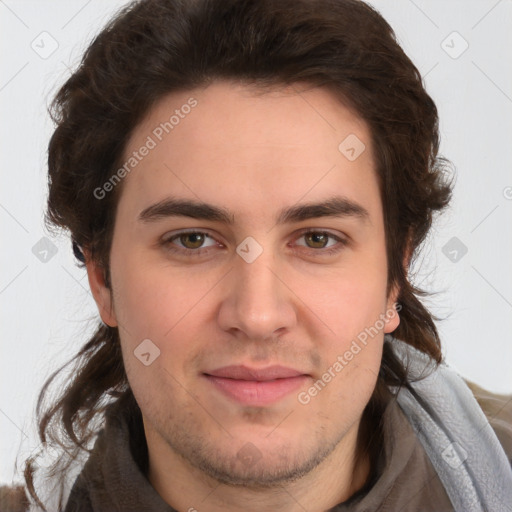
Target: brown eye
[(190, 243), (321, 243), (192, 240), (317, 240)]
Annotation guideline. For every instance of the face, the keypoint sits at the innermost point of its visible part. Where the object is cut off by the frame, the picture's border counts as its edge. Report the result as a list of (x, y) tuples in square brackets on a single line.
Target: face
[(249, 253)]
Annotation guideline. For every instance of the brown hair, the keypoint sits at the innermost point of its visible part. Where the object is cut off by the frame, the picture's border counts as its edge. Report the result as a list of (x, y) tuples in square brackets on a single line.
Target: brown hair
[(154, 47)]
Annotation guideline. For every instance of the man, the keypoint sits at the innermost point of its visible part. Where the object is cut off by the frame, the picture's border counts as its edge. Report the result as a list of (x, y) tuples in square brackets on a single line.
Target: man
[(247, 183)]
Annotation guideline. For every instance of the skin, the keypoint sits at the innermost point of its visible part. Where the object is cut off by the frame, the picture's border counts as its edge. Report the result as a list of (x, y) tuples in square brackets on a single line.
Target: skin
[(252, 154)]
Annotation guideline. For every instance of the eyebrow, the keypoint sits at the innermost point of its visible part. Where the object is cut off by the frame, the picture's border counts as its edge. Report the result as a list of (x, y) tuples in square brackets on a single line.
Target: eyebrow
[(337, 206)]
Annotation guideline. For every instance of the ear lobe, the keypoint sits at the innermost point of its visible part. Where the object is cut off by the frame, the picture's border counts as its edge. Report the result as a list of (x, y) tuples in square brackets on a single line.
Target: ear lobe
[(392, 313), (101, 292), (392, 318)]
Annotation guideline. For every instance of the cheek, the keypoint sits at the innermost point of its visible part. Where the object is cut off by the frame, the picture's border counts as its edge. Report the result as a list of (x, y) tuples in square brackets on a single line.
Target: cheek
[(165, 307), (350, 300), (352, 307), (151, 301), (155, 309)]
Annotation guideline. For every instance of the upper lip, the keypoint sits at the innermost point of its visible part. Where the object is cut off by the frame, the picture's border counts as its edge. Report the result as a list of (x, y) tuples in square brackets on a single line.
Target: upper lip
[(241, 372)]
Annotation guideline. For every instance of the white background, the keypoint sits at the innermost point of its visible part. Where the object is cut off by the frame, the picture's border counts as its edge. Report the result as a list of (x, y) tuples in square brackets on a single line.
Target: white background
[(46, 309)]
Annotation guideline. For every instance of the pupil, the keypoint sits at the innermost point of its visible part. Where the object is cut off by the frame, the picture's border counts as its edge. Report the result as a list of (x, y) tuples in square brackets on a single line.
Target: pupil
[(318, 238), (192, 240)]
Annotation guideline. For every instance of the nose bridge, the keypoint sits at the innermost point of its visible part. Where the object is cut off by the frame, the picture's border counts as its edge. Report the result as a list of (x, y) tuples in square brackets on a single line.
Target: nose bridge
[(257, 301), (258, 283)]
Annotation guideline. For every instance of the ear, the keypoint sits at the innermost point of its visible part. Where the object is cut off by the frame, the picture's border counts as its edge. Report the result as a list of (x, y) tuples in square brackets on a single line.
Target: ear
[(101, 292), (392, 310), (392, 318)]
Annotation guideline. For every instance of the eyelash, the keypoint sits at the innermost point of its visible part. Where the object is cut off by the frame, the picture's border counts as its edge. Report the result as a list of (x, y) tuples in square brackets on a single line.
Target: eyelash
[(167, 243)]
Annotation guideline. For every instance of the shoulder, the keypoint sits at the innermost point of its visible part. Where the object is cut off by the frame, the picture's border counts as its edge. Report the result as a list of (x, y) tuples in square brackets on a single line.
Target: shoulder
[(498, 411)]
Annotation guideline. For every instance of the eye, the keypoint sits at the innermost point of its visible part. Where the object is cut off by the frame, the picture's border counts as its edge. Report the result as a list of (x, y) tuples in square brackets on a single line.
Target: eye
[(189, 242), (322, 242), (317, 239), (197, 243)]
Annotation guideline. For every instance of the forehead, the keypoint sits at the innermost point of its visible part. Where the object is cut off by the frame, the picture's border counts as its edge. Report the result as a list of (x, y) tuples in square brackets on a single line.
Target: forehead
[(241, 145)]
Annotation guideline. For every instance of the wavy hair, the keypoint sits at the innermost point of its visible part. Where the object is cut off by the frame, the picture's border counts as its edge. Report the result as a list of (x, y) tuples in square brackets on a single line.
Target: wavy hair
[(151, 48)]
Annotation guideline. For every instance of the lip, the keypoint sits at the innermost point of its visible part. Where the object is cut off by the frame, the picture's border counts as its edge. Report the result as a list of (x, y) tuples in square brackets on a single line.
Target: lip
[(241, 372), (256, 387)]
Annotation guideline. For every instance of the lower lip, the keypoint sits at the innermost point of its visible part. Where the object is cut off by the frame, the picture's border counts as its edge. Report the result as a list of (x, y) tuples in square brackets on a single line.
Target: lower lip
[(257, 393)]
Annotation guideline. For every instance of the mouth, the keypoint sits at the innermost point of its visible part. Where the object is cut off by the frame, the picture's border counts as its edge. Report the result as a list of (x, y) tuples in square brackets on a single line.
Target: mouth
[(256, 387)]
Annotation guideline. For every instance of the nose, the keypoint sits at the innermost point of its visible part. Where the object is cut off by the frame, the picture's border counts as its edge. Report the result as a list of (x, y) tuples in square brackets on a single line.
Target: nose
[(257, 303)]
